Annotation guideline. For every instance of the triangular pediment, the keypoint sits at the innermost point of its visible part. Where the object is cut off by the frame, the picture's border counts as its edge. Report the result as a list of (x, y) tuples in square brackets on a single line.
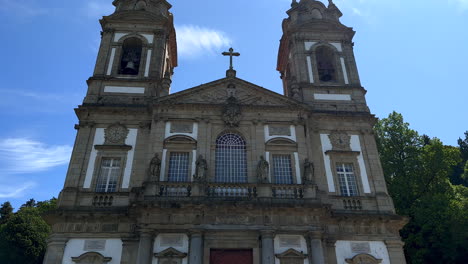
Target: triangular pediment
[(217, 93), (170, 253), (291, 253)]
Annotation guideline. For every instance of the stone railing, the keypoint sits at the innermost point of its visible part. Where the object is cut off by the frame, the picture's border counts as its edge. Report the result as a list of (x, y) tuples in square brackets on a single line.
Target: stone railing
[(175, 189), (352, 204), (288, 191), (103, 200), (231, 190)]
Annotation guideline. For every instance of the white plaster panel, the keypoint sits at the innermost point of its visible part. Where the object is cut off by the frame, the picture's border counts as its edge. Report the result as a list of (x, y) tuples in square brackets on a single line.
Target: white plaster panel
[(148, 61), (302, 246), (378, 249), (130, 141), (111, 62), (182, 247), (333, 97), (326, 146), (75, 248), (345, 72), (193, 135), (126, 90), (98, 140), (338, 46), (163, 165), (298, 168), (149, 38), (309, 69), (194, 163), (309, 44), (118, 36), (356, 146), (293, 136)]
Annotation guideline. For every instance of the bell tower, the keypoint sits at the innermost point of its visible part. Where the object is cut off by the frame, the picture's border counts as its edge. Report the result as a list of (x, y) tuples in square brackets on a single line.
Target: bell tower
[(137, 55), (316, 58)]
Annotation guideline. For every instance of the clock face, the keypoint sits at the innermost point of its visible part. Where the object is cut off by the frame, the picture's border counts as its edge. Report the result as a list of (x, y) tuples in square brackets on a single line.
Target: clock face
[(116, 134)]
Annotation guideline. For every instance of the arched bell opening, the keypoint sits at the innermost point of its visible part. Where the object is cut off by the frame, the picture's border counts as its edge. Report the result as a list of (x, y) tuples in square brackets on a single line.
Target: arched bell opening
[(131, 56), (326, 64)]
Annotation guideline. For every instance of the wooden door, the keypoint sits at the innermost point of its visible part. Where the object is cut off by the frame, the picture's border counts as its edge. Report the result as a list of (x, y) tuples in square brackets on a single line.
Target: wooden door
[(229, 256)]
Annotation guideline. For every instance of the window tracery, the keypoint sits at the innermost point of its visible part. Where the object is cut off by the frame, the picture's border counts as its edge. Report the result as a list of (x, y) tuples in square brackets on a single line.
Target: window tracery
[(231, 159)]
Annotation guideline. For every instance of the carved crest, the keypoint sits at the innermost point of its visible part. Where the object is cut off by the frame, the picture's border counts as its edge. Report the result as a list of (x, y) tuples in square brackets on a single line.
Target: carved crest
[(232, 114), (340, 141), (91, 258), (115, 134), (364, 259)]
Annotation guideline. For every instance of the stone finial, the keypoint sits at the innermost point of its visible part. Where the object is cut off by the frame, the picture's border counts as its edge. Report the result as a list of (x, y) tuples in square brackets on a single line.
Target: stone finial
[(294, 3)]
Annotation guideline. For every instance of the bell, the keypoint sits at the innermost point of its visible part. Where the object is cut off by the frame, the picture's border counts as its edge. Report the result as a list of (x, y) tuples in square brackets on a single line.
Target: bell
[(130, 68)]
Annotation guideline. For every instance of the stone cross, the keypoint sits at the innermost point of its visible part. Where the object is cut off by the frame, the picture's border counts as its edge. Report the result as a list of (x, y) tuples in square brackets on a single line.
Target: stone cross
[(231, 53)]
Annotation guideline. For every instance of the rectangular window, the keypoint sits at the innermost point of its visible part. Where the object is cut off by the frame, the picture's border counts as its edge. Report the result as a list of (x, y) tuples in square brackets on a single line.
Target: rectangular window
[(178, 167), (108, 175), (347, 179), (282, 169)]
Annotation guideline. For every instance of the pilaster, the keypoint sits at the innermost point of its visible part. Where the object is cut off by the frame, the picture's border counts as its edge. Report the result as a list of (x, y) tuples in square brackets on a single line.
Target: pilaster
[(268, 249), (316, 247), (196, 247), (395, 251), (144, 248), (55, 250)]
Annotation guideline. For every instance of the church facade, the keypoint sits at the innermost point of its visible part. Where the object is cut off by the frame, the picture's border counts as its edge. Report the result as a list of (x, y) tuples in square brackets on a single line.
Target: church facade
[(226, 172)]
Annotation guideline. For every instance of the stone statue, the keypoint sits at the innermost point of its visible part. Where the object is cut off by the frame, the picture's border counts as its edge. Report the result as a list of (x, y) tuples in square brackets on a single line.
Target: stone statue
[(309, 172), (202, 169), (262, 170), (155, 167)]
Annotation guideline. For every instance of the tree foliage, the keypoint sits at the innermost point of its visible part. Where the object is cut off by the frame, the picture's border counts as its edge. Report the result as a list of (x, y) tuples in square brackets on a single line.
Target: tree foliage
[(418, 172), (23, 234)]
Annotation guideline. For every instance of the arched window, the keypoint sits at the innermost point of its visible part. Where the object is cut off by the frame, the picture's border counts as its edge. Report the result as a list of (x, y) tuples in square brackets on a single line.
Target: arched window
[(326, 64), (231, 159), (131, 56)]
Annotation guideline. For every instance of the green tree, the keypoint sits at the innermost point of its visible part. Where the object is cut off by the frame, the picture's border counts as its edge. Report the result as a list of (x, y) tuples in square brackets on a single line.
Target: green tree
[(417, 170), (23, 235), (6, 210)]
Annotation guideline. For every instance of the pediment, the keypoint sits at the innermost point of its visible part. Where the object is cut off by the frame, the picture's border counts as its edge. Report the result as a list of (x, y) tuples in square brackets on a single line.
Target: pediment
[(364, 259), (91, 258), (291, 253), (217, 93), (170, 253)]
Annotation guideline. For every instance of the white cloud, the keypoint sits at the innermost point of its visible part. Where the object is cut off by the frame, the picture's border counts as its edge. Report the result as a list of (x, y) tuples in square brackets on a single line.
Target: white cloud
[(22, 155), (463, 4), (8, 191), (99, 8), (193, 41)]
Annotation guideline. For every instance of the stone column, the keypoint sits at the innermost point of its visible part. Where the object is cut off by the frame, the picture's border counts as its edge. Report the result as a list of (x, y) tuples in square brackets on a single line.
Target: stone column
[(268, 248), (316, 247), (129, 251), (144, 248), (196, 248), (395, 251), (55, 250)]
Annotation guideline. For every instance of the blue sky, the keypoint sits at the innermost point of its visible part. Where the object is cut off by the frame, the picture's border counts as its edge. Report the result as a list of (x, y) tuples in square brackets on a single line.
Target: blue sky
[(412, 57)]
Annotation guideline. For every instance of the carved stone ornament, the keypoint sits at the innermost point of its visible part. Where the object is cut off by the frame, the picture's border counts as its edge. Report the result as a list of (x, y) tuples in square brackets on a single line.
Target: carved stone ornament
[(232, 112), (91, 258), (340, 141), (363, 259), (115, 134), (291, 256), (170, 256)]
